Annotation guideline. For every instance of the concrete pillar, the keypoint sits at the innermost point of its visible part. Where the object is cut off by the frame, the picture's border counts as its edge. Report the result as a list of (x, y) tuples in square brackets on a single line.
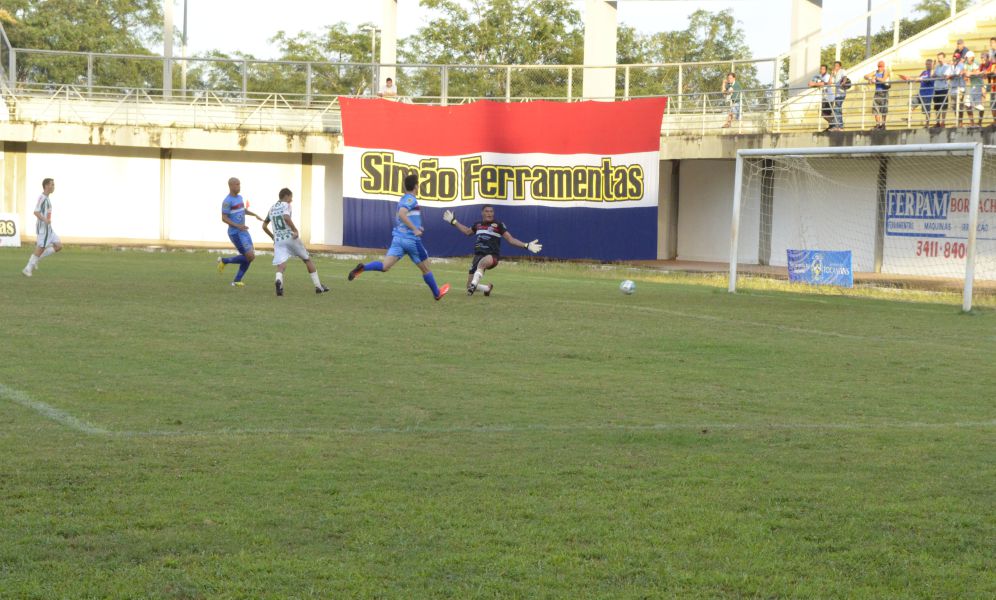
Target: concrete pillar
[(15, 156), (600, 24), (804, 43), (304, 208), (165, 192), (168, 48), (389, 42)]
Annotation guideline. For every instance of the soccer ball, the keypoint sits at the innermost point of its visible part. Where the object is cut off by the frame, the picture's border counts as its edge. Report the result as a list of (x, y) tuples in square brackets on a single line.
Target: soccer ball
[(627, 287)]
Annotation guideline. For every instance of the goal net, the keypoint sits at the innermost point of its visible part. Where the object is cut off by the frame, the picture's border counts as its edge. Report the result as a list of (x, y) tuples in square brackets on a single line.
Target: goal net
[(893, 215)]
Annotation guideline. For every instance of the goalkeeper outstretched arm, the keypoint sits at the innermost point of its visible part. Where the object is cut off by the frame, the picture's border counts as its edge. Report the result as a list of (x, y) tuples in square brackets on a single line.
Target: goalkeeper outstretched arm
[(449, 218), (534, 246)]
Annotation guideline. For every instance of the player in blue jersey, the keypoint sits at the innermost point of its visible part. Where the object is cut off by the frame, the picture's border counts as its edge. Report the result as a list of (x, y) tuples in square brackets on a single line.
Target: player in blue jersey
[(233, 213), (407, 239)]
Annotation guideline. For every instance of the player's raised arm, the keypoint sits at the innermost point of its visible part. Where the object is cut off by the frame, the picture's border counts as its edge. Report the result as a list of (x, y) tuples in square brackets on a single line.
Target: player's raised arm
[(534, 246), (449, 218)]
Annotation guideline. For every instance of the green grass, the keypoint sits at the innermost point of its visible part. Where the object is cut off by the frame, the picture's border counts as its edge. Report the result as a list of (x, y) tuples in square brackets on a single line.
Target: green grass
[(558, 439)]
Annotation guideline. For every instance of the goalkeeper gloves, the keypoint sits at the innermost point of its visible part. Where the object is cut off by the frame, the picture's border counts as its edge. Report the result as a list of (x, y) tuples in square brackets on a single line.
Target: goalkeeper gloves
[(448, 217), (534, 246)]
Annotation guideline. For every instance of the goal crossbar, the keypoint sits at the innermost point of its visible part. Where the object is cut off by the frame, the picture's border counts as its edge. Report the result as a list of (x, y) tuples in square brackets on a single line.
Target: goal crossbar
[(975, 148)]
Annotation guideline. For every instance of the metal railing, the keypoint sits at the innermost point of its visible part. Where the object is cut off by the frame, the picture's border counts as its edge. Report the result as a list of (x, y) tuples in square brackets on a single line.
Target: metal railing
[(700, 114), (766, 111), (439, 83)]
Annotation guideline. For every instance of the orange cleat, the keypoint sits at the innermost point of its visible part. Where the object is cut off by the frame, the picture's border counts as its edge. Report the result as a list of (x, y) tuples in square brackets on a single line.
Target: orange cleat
[(356, 272), (443, 290)]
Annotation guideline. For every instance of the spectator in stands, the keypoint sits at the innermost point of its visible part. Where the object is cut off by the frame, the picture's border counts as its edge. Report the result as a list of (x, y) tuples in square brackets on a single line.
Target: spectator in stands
[(925, 97), (827, 94), (942, 72), (956, 90), (960, 50), (990, 72), (973, 97), (389, 90), (733, 92), (841, 84), (880, 101)]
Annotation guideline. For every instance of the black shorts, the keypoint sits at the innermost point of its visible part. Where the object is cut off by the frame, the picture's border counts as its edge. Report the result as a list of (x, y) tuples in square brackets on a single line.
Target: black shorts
[(477, 259), (941, 101)]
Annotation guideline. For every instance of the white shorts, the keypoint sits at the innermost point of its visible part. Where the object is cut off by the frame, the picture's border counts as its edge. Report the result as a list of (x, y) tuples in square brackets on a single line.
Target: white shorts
[(283, 250), (47, 238)]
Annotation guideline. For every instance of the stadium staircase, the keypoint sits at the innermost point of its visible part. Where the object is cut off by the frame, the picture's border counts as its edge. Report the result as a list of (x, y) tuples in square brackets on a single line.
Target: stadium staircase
[(975, 25)]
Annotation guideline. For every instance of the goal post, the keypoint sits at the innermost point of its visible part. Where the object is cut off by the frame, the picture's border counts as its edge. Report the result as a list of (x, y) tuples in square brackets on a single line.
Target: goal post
[(908, 212)]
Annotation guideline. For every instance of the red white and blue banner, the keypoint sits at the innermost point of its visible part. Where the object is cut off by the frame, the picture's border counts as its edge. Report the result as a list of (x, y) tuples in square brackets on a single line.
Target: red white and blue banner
[(582, 177)]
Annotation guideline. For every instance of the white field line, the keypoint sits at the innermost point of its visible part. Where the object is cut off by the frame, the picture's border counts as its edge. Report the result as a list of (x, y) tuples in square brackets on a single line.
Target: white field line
[(65, 419), (50, 412), (776, 326)]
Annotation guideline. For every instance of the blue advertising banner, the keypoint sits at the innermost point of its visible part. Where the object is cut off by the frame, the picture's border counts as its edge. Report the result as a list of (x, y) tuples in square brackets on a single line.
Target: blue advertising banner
[(821, 267)]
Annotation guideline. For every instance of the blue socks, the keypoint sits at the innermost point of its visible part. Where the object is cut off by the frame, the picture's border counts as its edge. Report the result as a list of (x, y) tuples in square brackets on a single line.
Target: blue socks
[(374, 266), (431, 282), (243, 267)]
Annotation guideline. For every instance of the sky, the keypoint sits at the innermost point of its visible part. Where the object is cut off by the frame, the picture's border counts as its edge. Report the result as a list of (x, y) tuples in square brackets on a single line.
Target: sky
[(766, 22)]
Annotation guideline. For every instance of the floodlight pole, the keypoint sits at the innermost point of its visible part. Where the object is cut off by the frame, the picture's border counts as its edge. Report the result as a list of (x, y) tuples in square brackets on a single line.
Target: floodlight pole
[(167, 48)]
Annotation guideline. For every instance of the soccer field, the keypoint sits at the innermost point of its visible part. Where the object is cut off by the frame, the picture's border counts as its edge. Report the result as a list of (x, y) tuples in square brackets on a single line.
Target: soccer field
[(163, 434)]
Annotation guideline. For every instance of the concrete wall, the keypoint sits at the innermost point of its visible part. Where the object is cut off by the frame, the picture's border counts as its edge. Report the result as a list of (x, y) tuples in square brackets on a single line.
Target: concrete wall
[(826, 204), (147, 195)]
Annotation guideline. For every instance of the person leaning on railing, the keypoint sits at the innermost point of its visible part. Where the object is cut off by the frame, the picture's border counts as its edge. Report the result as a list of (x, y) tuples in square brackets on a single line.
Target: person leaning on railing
[(942, 73), (841, 84), (827, 94), (733, 92), (880, 101), (990, 70), (973, 99), (956, 89), (925, 96)]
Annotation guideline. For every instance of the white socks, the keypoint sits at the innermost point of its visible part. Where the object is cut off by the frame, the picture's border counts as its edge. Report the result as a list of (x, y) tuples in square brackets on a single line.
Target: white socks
[(32, 261), (314, 278), (477, 277), (48, 252), (484, 287)]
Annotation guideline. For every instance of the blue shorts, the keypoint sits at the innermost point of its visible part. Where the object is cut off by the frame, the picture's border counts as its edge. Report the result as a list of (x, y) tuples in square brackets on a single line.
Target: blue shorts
[(242, 241), (412, 247)]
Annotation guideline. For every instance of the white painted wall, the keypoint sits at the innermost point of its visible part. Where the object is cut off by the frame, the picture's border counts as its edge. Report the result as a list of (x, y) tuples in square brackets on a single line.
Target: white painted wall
[(100, 192), (823, 204), (200, 184), (705, 211), (332, 217)]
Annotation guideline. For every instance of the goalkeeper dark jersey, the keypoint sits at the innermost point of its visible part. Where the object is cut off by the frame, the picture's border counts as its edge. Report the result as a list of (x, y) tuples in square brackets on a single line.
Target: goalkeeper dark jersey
[(488, 237)]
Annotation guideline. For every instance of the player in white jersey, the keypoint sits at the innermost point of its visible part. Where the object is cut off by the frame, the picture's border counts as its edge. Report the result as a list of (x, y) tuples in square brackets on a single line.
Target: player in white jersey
[(48, 242), (287, 242)]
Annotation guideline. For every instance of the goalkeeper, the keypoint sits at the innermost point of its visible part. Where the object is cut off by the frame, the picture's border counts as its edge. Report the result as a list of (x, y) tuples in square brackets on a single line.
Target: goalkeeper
[(487, 246)]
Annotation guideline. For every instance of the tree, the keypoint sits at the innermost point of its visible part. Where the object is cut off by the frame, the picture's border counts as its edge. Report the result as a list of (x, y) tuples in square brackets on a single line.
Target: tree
[(852, 50), (709, 37), (495, 32), (108, 26)]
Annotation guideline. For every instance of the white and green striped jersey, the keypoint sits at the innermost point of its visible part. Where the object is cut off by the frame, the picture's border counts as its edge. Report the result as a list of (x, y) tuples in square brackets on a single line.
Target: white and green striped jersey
[(281, 232), (44, 208)]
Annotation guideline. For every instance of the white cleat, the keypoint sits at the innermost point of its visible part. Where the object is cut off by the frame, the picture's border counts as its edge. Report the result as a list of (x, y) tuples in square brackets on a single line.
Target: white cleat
[(26, 271)]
